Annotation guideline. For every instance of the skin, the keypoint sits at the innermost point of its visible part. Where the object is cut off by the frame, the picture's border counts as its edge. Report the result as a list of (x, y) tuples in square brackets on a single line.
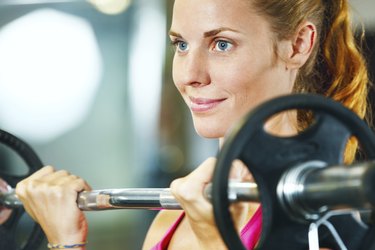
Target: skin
[(227, 61), (49, 197), (239, 77)]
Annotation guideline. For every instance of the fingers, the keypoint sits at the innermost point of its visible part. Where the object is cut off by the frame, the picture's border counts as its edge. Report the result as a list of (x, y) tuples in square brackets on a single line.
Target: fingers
[(189, 192), (41, 172), (47, 178), (199, 212), (191, 187), (205, 170), (22, 187), (188, 187), (64, 178), (48, 186), (50, 198)]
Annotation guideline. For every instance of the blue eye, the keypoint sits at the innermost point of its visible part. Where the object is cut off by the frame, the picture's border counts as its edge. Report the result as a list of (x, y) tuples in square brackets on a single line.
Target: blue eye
[(222, 45), (181, 46)]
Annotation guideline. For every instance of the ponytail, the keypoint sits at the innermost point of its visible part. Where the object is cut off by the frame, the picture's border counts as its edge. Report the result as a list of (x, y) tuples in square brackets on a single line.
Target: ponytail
[(342, 65)]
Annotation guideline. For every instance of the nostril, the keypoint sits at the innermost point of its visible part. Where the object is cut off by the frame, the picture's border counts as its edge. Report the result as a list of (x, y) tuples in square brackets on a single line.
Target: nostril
[(196, 84)]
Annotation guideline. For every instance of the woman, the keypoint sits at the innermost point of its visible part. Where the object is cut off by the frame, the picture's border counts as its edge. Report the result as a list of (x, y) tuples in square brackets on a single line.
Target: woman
[(230, 56)]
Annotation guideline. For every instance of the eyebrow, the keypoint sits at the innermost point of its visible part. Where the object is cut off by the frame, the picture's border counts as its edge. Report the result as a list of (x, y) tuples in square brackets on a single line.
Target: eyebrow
[(217, 31), (172, 33), (206, 34)]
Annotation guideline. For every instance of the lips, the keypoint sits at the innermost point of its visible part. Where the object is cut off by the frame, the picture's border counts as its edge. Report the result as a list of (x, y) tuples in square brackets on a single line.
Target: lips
[(204, 104)]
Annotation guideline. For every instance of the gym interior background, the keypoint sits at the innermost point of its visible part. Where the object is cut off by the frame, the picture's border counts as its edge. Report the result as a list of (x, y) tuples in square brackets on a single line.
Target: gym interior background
[(89, 87)]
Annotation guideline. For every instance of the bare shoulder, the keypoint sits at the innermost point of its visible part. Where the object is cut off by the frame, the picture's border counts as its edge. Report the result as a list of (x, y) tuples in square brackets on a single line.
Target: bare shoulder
[(162, 222)]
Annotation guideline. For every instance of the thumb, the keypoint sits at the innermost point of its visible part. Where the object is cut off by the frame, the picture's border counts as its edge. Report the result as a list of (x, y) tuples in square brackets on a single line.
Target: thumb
[(204, 172)]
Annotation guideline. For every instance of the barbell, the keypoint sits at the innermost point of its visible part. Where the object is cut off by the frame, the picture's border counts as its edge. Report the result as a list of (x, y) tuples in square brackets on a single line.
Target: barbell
[(139, 198), (300, 181)]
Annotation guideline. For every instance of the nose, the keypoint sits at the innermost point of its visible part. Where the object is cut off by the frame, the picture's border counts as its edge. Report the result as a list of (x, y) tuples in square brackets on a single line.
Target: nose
[(191, 69)]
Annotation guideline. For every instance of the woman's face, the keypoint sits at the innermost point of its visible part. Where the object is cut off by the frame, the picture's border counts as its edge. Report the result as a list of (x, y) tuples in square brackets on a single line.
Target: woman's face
[(225, 62)]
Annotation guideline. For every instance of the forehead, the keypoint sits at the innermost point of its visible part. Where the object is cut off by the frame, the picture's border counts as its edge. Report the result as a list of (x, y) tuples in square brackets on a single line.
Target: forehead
[(203, 15)]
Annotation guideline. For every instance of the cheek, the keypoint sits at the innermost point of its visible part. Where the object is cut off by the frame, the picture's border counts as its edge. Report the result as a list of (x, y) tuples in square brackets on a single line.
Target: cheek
[(176, 71), (248, 83), (236, 79)]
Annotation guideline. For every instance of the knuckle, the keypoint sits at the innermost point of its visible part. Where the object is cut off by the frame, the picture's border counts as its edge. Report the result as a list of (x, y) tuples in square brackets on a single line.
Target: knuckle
[(181, 189), (63, 173), (211, 159), (209, 163), (174, 184), (49, 168), (205, 169), (20, 189), (80, 182)]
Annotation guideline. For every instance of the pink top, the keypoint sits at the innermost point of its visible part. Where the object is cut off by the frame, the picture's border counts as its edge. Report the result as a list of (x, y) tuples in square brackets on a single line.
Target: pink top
[(250, 234)]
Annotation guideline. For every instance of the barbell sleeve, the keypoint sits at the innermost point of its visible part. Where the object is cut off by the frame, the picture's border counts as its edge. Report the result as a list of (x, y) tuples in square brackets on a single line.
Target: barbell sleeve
[(139, 198), (311, 189)]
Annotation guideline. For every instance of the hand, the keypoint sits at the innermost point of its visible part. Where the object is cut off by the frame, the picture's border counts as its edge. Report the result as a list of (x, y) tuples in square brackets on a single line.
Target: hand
[(199, 212), (49, 197)]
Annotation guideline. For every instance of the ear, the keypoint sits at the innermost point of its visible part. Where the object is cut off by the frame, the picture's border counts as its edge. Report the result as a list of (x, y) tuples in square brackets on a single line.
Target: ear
[(300, 46)]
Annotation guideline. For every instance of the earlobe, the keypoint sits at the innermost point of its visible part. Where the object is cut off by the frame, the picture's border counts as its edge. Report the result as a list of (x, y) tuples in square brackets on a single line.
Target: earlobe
[(302, 45)]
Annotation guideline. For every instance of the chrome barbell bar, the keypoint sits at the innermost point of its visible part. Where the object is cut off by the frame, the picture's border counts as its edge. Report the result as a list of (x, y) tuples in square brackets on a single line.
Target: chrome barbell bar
[(139, 198)]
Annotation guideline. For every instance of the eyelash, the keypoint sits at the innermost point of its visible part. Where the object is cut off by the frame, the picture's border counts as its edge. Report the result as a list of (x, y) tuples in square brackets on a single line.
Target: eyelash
[(175, 43), (217, 41)]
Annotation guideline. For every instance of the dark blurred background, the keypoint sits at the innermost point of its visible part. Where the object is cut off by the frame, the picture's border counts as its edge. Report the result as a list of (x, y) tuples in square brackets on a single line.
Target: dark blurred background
[(88, 86)]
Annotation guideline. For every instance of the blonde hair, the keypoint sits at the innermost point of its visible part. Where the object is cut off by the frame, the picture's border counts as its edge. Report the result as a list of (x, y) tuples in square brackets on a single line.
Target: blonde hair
[(336, 68)]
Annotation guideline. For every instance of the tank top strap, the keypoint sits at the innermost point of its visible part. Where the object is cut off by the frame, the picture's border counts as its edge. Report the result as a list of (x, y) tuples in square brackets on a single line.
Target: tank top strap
[(250, 234), (163, 244)]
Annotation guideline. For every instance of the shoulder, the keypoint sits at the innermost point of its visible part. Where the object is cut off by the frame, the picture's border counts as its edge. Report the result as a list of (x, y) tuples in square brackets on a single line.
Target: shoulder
[(162, 222)]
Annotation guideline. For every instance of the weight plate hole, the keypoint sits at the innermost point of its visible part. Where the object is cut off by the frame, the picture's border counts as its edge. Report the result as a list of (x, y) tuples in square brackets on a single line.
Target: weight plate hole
[(287, 123)]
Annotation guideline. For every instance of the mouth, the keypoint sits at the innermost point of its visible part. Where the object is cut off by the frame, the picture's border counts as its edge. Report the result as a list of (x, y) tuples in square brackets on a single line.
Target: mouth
[(200, 105)]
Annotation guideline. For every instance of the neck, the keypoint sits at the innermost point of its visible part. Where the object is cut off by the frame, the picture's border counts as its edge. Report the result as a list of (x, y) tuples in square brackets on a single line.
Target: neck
[(284, 124)]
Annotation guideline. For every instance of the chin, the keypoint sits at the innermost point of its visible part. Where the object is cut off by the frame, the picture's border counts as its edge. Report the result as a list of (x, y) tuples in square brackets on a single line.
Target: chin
[(212, 128), (210, 132)]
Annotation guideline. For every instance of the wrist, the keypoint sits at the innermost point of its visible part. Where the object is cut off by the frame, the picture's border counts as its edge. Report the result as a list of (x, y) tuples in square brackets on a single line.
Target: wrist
[(55, 237), (76, 242), (76, 246)]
